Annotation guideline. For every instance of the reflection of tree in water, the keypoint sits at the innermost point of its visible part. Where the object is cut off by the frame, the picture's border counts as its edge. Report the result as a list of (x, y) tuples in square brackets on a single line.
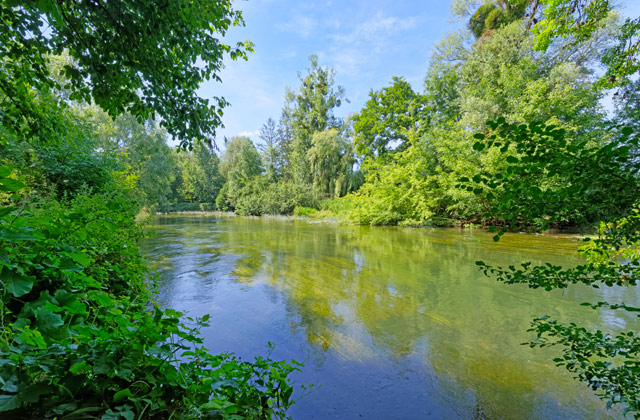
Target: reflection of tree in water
[(366, 293)]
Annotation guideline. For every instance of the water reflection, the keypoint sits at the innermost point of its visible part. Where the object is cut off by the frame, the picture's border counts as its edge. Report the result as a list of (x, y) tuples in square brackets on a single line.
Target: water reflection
[(395, 323)]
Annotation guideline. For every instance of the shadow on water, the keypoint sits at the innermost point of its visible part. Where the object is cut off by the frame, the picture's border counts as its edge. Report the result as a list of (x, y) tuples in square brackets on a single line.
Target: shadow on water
[(393, 323)]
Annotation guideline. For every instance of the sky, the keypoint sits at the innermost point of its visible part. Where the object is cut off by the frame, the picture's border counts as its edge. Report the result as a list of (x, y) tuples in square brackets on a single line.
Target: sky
[(367, 42)]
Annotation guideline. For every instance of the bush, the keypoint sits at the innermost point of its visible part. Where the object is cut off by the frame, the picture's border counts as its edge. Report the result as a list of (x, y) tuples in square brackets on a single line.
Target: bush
[(82, 338), (304, 211)]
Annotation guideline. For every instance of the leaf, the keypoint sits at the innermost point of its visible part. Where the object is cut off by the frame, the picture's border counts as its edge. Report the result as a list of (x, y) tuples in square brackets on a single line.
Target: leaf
[(9, 402), (512, 159), (478, 146), (122, 395), (16, 284), (6, 210), (11, 185), (47, 321), (23, 234), (82, 259)]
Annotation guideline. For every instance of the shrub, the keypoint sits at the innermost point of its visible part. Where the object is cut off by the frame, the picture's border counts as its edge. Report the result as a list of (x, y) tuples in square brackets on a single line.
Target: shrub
[(81, 336)]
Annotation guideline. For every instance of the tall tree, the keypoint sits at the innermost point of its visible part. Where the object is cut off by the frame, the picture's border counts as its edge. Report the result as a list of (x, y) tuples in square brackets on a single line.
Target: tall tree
[(200, 171), (240, 164), (312, 111), (381, 126), (331, 159), (271, 150)]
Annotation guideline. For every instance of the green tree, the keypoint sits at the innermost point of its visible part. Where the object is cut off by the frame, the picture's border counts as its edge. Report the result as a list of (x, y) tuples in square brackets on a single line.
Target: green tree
[(240, 166), (380, 126), (143, 149), (600, 183), (496, 14), (331, 159), (271, 150), (136, 57), (200, 172), (311, 111), (580, 21)]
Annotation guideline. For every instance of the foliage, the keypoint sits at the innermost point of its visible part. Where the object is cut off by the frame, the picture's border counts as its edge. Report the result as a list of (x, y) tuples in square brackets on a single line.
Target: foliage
[(143, 150), (271, 150), (580, 21), (135, 57), (311, 111), (494, 15), (304, 211), (81, 338), (200, 172), (63, 166), (601, 183), (331, 160), (380, 126)]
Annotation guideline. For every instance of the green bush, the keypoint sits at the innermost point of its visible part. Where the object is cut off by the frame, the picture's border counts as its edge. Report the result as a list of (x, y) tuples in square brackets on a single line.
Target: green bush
[(82, 338), (304, 211)]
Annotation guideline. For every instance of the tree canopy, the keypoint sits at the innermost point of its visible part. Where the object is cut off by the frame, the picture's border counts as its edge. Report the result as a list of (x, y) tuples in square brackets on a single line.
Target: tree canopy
[(141, 57)]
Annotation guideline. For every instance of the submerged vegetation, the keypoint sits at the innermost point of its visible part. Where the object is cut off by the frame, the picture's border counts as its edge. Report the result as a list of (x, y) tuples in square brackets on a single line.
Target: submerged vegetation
[(508, 131)]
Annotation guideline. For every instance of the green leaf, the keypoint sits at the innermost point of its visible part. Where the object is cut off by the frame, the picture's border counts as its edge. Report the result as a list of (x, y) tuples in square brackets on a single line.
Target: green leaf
[(11, 185), (627, 131), (22, 234), (9, 402), (47, 321), (82, 259), (512, 159), (478, 146), (6, 210), (122, 395), (16, 284)]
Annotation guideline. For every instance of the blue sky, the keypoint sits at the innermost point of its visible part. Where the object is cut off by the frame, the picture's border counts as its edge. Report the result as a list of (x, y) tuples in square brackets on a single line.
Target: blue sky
[(366, 41)]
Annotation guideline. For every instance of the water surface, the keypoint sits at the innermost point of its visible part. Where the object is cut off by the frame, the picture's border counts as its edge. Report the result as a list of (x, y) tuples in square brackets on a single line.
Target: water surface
[(391, 323)]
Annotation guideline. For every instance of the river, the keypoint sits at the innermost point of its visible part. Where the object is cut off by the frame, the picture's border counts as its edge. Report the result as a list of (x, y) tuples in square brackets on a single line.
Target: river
[(391, 323)]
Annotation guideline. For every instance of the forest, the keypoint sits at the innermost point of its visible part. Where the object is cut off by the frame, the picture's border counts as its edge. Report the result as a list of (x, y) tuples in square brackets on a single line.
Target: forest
[(101, 127)]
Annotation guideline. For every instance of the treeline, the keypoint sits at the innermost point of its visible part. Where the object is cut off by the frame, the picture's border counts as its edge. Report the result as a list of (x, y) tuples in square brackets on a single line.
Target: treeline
[(306, 157), (400, 159)]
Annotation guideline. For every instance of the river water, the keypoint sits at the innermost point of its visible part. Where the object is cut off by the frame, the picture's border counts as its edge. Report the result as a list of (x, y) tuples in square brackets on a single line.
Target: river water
[(391, 323)]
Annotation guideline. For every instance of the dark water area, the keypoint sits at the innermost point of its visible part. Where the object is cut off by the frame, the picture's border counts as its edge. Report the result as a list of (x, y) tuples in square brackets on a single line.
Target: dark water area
[(391, 323)]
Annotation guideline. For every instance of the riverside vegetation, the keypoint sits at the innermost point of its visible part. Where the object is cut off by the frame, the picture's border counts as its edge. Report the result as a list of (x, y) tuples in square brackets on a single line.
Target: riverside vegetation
[(508, 132), (81, 336)]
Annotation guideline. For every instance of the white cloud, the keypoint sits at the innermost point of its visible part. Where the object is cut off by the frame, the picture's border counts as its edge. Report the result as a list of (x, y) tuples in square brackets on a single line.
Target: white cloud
[(366, 41), (249, 133)]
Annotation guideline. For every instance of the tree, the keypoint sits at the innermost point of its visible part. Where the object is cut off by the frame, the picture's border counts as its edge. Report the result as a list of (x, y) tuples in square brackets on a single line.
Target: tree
[(271, 150), (240, 166), (137, 57), (494, 15), (331, 159), (143, 150), (580, 21), (311, 111), (201, 178), (381, 125)]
